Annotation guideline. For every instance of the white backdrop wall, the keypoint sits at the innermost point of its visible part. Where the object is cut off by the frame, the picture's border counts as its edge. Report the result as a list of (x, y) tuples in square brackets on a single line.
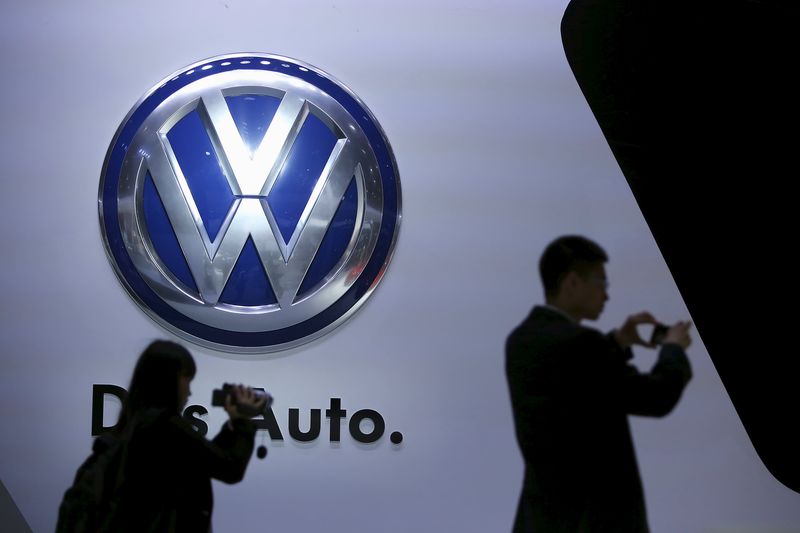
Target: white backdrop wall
[(498, 153)]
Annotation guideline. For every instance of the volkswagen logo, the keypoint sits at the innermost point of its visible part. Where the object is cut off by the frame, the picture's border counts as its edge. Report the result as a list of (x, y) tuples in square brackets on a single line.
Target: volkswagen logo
[(249, 203)]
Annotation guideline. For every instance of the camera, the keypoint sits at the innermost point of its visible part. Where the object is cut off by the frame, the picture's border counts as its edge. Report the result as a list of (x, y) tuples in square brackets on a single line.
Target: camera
[(218, 397), (659, 332)]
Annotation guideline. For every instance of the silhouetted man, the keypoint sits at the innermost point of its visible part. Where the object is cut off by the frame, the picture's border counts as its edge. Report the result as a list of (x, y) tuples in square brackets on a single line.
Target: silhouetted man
[(572, 390)]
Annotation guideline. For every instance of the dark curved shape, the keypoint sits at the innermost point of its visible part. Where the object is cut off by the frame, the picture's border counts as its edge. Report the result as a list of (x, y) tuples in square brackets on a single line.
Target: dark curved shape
[(10, 516), (698, 103)]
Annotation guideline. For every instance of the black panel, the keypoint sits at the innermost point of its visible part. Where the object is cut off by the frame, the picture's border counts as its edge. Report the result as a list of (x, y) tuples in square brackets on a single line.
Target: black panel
[(698, 102), (11, 519)]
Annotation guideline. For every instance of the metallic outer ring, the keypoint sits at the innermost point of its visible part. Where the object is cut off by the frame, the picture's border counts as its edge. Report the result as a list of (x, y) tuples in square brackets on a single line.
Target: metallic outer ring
[(251, 343)]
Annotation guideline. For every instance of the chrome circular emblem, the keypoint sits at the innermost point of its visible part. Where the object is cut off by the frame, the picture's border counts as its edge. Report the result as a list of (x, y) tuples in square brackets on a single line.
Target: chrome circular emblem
[(250, 203)]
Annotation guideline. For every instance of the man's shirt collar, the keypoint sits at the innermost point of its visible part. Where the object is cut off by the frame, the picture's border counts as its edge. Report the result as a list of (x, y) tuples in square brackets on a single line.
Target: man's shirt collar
[(560, 312)]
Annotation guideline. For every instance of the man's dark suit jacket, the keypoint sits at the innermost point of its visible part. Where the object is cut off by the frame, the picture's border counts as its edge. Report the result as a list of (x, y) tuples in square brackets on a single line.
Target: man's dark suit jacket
[(572, 390)]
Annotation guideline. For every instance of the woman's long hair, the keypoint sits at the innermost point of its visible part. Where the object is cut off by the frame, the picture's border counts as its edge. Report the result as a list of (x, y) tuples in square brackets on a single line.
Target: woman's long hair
[(155, 380)]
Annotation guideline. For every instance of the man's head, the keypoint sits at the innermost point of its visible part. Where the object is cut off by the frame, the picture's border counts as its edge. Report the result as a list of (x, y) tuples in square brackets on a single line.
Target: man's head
[(574, 277)]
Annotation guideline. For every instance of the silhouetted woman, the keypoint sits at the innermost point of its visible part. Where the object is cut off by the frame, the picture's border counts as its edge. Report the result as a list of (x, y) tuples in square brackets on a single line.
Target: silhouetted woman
[(165, 475)]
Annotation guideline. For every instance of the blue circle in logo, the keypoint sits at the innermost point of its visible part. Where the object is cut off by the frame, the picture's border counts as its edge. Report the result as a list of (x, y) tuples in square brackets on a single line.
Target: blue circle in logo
[(249, 203)]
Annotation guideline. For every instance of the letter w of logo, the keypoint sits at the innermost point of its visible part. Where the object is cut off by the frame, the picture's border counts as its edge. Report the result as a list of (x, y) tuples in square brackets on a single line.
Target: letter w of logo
[(251, 178)]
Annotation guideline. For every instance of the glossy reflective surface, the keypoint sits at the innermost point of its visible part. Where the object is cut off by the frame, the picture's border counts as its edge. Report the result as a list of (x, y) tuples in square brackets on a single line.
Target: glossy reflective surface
[(250, 203)]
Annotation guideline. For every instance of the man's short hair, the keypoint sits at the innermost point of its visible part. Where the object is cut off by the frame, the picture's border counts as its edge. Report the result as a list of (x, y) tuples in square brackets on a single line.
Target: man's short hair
[(567, 254)]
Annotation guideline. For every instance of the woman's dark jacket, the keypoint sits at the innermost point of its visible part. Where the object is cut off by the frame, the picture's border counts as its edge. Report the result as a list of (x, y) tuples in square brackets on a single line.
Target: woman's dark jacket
[(166, 471)]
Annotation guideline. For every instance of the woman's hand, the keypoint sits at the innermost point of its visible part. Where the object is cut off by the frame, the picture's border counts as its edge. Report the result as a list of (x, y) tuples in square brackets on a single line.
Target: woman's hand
[(242, 398)]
